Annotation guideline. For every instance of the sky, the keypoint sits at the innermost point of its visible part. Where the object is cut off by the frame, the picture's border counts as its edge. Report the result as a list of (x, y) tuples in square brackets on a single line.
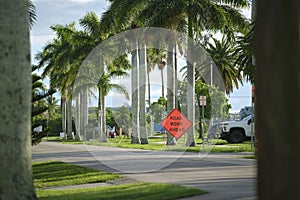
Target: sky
[(51, 12)]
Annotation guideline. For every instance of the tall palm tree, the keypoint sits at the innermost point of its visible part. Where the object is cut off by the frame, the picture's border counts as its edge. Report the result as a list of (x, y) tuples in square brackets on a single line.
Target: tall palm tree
[(91, 37), (171, 82), (15, 101), (111, 22), (142, 93), (86, 40), (161, 64), (100, 79), (61, 67), (135, 97), (64, 56), (155, 57)]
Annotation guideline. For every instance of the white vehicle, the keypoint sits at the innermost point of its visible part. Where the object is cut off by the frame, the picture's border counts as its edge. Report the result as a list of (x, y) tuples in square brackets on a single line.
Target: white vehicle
[(237, 131)]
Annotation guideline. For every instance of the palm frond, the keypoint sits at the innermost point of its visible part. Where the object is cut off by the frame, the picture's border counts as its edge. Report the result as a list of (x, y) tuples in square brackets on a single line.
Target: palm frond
[(119, 88), (31, 12)]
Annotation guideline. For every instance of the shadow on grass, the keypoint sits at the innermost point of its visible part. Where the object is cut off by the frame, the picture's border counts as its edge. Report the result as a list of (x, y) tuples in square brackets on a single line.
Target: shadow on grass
[(48, 174), (135, 191)]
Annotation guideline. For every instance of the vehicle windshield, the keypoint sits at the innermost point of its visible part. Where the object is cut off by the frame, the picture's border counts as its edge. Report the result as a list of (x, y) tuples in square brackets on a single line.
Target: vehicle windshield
[(247, 118)]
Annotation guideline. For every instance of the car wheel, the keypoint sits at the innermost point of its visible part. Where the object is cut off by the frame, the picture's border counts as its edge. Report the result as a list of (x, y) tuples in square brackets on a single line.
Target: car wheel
[(236, 136)]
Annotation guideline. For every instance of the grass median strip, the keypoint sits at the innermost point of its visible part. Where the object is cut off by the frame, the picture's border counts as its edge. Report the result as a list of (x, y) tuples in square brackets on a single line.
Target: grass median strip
[(53, 173), (159, 144), (133, 191), (215, 145)]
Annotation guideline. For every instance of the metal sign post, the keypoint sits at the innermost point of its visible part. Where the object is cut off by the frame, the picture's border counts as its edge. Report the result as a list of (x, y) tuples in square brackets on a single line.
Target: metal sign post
[(203, 103), (252, 118)]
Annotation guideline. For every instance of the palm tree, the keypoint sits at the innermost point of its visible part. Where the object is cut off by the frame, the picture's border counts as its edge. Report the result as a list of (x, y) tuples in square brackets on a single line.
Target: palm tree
[(142, 93), (61, 66), (161, 64), (171, 86), (135, 97), (63, 57), (52, 105), (100, 79), (222, 53), (91, 37), (86, 41), (15, 79), (155, 58)]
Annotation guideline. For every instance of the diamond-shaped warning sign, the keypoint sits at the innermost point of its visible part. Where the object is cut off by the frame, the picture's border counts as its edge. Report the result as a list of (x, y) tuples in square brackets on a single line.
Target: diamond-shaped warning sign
[(176, 123)]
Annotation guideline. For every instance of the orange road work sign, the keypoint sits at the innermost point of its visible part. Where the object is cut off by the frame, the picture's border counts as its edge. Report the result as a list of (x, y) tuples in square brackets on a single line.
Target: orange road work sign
[(176, 123)]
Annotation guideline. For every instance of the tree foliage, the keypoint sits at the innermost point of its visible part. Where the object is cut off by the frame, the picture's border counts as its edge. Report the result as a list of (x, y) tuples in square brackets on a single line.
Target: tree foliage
[(39, 106), (217, 104), (223, 55), (158, 110), (244, 54)]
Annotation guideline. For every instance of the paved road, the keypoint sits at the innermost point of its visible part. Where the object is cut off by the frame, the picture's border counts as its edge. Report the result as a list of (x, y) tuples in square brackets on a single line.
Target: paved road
[(225, 176)]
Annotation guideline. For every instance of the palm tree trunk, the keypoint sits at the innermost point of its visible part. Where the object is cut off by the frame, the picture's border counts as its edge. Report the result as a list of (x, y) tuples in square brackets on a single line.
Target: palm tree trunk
[(84, 109), (77, 118), (142, 86), (149, 99), (149, 86), (99, 122), (69, 119), (135, 136), (104, 120), (101, 117), (63, 115), (171, 88), (191, 85), (15, 102), (81, 115), (175, 81), (162, 82), (277, 99)]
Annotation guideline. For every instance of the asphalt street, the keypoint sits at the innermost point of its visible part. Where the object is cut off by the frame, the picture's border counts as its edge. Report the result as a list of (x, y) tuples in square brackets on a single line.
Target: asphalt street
[(226, 176)]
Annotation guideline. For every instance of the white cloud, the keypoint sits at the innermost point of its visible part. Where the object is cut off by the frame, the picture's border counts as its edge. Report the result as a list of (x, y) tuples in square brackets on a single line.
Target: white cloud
[(51, 12), (40, 40)]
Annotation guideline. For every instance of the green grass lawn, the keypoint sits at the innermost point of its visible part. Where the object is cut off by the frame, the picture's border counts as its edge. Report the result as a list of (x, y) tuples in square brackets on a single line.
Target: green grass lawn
[(63, 141), (48, 174), (215, 145), (250, 157), (133, 191), (159, 143)]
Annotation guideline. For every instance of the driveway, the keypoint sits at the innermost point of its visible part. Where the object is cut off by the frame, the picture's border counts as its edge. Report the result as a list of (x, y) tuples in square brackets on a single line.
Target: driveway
[(223, 175)]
